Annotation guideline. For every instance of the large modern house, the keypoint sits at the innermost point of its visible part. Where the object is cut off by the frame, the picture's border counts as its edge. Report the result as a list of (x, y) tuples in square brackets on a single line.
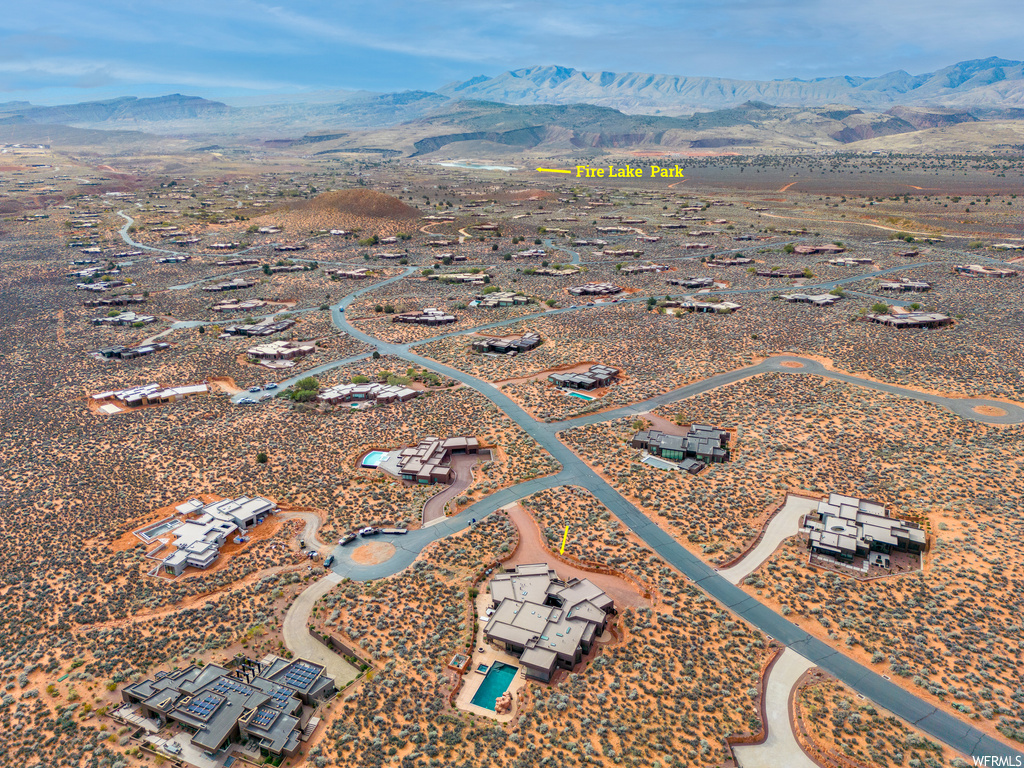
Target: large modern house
[(501, 299), (595, 289), (429, 316), (846, 527), (980, 270), (496, 346), (269, 702), (430, 461), (596, 376), (817, 299), (912, 320), (701, 442), (378, 393), (549, 623), (198, 541)]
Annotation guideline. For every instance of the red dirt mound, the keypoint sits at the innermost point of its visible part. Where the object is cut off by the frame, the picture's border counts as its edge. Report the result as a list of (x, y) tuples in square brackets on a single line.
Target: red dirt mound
[(357, 202)]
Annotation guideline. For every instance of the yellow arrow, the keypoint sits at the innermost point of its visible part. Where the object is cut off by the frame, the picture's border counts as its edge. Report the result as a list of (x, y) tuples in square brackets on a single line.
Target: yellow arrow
[(564, 539), (552, 170)]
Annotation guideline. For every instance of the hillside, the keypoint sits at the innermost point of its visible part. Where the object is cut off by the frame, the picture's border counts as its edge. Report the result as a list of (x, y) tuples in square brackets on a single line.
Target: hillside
[(362, 210)]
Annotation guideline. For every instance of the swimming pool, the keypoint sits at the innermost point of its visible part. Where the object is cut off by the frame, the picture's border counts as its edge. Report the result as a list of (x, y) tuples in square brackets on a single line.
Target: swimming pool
[(581, 396), (373, 459), (158, 528), (495, 683)]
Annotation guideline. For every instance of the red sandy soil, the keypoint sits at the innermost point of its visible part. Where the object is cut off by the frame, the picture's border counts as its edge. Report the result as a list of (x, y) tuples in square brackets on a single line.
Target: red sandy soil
[(224, 384), (988, 410), (373, 553), (531, 549), (792, 364)]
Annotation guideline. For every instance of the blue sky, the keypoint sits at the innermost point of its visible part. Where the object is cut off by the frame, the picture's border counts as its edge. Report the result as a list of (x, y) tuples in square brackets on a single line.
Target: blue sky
[(59, 51)]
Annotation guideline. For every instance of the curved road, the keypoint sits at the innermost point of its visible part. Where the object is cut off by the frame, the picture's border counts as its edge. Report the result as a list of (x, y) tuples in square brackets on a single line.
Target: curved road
[(937, 723)]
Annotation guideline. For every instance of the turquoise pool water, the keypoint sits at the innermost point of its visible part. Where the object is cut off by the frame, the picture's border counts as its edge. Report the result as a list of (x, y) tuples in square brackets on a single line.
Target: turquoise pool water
[(373, 459), (495, 683), (581, 396)]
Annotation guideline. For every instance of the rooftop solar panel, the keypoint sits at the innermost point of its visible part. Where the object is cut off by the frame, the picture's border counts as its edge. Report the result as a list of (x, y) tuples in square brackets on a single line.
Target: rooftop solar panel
[(224, 685), (264, 717), (203, 707)]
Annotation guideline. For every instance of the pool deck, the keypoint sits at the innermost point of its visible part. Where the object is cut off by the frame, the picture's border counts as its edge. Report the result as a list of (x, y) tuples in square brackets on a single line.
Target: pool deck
[(383, 456), (471, 680), (147, 535)]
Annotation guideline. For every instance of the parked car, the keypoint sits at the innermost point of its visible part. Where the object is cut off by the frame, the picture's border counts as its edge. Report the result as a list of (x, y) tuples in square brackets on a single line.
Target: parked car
[(254, 389), (348, 537), (172, 747), (247, 401), (271, 385), (369, 531), (329, 561)]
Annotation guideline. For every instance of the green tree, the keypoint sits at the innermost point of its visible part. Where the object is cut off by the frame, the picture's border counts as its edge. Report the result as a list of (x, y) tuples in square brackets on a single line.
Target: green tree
[(261, 458)]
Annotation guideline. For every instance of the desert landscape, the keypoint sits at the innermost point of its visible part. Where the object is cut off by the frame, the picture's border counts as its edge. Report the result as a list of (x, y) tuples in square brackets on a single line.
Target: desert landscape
[(303, 396)]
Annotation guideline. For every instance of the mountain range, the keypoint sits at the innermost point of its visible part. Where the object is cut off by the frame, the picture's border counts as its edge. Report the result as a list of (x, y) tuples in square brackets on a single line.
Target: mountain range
[(564, 110), (991, 82)]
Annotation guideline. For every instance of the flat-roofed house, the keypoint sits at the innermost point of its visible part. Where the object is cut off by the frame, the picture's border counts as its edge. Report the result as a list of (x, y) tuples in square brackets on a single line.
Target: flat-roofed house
[(513, 346), (904, 286), (281, 350), (430, 462), (846, 527), (817, 299), (701, 441), (595, 289), (269, 703), (912, 320), (429, 316), (548, 623), (596, 376), (980, 270), (379, 393)]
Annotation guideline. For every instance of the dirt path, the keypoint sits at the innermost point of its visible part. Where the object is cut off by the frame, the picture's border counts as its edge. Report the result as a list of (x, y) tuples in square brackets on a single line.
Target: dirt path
[(792, 183), (532, 549), (309, 533)]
